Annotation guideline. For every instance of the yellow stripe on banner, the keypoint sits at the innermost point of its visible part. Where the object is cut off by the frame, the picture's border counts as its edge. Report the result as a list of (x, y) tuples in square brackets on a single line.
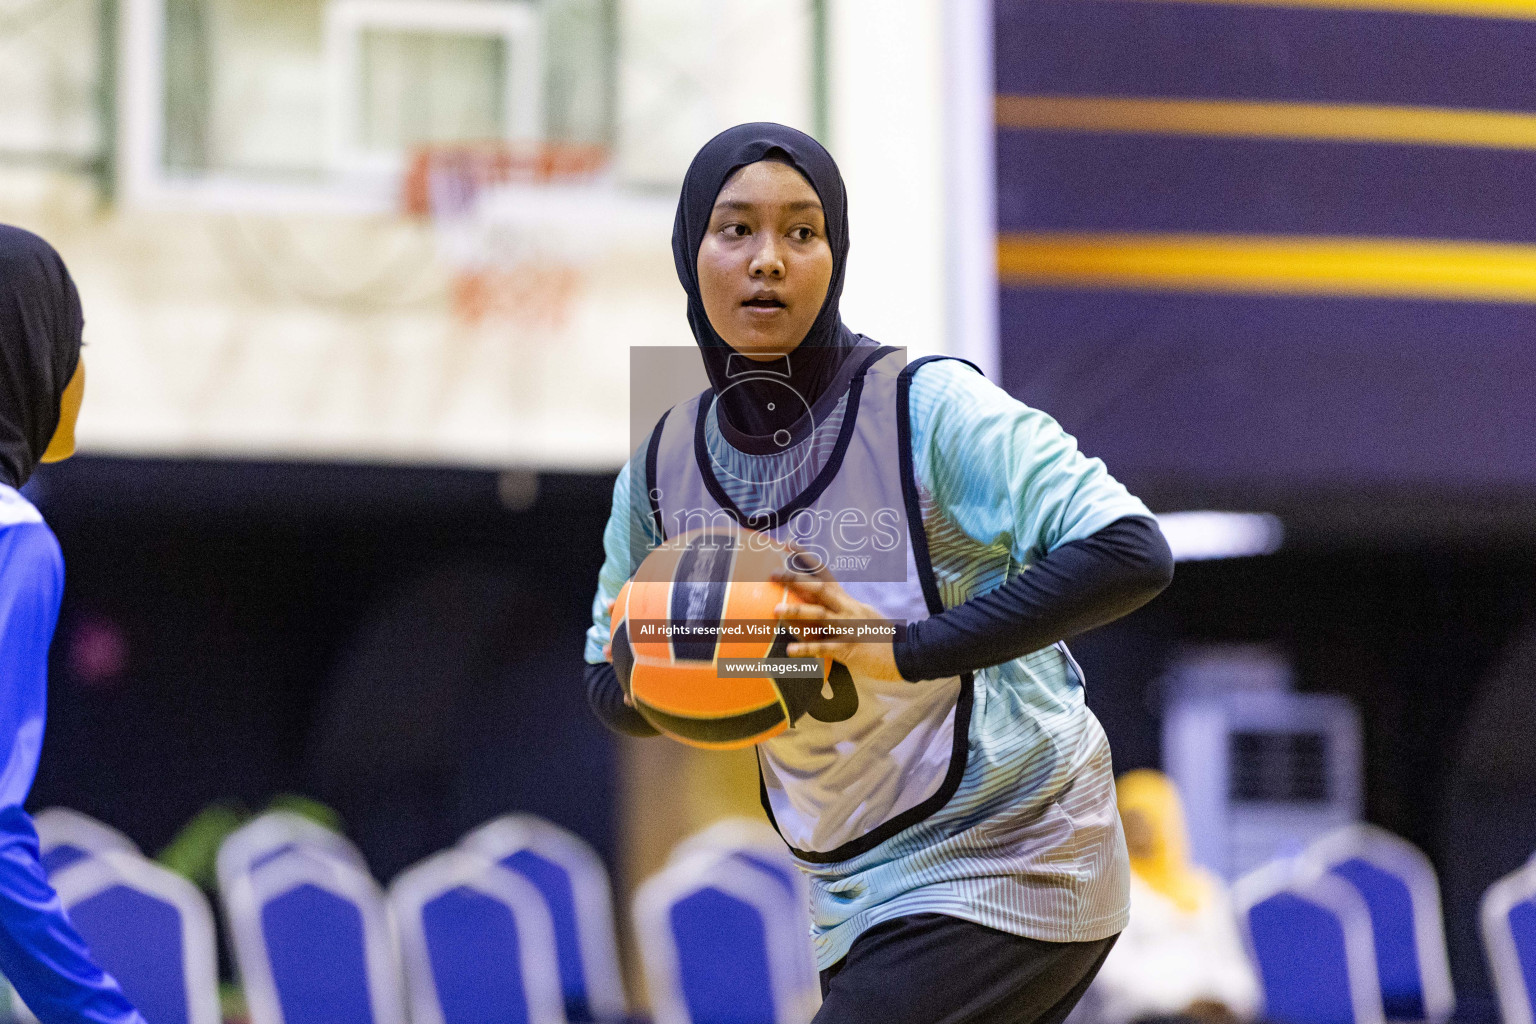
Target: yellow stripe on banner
[(1284, 265), (1330, 122), (1514, 10)]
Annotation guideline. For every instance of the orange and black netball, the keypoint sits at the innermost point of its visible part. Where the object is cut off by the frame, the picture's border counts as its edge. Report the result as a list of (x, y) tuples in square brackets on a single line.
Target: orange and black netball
[(704, 596)]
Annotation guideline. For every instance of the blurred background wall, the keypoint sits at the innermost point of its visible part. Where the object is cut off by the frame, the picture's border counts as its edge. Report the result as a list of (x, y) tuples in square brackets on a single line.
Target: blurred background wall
[(1269, 256), (337, 516)]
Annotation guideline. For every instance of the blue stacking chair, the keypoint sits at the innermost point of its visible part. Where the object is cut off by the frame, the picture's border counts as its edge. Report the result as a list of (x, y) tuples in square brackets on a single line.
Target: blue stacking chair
[(1402, 896), (65, 837), (721, 944), (150, 929), (268, 835), (313, 941), (1509, 938), (571, 878), (755, 843), (478, 944), (1309, 933)]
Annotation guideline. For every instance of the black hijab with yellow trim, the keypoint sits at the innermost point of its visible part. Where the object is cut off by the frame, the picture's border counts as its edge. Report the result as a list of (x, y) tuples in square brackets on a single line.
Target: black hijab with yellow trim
[(812, 369), (40, 328)]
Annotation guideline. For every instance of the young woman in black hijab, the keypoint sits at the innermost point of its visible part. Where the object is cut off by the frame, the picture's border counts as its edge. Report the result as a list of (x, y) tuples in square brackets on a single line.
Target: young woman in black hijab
[(42, 381), (955, 812)]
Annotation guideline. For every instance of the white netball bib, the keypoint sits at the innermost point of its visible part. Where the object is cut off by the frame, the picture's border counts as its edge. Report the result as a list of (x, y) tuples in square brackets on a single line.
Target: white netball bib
[(846, 775)]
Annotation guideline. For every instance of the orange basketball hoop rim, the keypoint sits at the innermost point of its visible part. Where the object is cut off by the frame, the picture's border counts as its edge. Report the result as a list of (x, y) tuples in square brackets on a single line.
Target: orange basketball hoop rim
[(444, 179)]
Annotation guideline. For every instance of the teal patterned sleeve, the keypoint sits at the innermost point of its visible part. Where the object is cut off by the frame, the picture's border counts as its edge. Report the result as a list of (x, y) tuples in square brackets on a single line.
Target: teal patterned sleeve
[(1004, 472), (628, 537)]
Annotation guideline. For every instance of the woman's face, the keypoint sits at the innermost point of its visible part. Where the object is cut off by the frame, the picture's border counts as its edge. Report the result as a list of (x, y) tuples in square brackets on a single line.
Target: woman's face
[(765, 263)]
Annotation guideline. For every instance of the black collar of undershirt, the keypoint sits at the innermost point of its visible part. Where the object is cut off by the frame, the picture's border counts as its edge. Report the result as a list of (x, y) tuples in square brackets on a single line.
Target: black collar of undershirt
[(802, 428), (771, 520)]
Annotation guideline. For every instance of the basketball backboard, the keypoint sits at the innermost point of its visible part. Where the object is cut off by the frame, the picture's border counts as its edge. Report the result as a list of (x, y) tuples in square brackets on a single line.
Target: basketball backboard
[(318, 104)]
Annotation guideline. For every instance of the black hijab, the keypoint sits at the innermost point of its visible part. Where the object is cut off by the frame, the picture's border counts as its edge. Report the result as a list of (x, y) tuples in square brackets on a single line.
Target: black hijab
[(40, 328), (812, 369)]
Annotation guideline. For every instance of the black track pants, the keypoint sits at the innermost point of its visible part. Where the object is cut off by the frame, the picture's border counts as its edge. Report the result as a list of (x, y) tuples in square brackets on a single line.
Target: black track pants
[(933, 969)]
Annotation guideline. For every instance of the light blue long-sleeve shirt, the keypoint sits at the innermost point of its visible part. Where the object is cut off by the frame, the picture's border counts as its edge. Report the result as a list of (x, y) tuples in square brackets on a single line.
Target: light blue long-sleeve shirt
[(40, 951), (1030, 843)]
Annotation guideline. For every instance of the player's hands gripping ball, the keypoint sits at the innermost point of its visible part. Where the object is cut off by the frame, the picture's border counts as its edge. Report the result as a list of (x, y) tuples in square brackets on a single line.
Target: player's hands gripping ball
[(690, 587), (821, 599)]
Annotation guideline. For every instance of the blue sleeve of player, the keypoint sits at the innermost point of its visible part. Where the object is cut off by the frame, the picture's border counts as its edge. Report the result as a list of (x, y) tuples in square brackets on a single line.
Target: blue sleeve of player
[(40, 951)]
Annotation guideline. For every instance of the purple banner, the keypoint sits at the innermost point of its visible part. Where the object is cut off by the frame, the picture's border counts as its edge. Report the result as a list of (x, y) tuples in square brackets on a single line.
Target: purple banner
[(1272, 390), (1250, 52)]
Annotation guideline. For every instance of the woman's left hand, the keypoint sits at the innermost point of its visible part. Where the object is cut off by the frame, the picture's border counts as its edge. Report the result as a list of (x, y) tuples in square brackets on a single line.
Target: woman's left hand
[(826, 601)]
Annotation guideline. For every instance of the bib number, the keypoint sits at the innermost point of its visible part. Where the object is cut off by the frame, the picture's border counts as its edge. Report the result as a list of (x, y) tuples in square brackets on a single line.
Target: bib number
[(806, 697)]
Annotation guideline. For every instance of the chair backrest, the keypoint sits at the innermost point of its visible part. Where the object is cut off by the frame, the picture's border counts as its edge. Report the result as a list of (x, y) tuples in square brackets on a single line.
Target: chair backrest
[(1402, 895), (752, 841), (574, 884), (65, 836), (268, 835), (722, 944), (150, 929), (1509, 938), (756, 844), (478, 944), (735, 833), (314, 942), (1309, 933)]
